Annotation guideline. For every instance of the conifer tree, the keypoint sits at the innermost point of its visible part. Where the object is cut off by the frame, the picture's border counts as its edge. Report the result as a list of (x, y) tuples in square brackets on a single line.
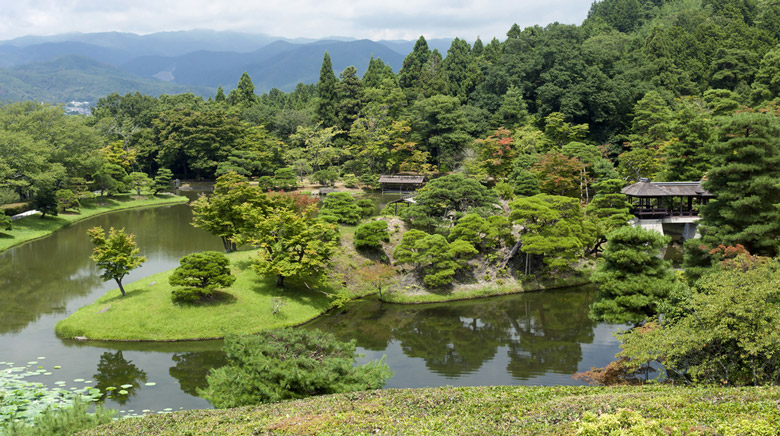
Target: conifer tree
[(409, 75), (633, 279), (745, 184), (326, 93), (244, 94)]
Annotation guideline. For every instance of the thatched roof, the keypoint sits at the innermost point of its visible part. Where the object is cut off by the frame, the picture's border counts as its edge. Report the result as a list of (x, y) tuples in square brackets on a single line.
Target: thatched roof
[(401, 179), (646, 188)]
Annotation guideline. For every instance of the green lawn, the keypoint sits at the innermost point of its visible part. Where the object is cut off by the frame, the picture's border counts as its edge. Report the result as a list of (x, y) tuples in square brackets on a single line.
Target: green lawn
[(34, 227), (496, 410), (147, 312)]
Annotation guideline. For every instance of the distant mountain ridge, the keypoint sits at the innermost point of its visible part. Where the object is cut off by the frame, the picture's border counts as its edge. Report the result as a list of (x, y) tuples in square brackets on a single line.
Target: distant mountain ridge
[(87, 66)]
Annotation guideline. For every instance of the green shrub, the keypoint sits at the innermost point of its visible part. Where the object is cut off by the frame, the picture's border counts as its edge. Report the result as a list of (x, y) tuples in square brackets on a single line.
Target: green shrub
[(325, 177), (341, 205), (623, 423), (505, 190), (200, 274), (370, 235), (66, 199), (63, 421), (350, 181), (5, 222), (367, 207), (284, 178), (283, 364)]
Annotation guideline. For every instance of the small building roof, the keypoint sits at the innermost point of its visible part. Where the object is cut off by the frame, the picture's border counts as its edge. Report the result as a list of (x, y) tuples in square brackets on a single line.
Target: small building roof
[(646, 188), (401, 179)]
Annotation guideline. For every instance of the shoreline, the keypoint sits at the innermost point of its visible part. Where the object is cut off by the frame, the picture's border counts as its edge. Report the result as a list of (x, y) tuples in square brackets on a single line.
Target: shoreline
[(97, 211), (314, 313)]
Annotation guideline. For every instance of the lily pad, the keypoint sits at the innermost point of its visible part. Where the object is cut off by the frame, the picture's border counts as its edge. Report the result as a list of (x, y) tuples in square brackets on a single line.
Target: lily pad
[(78, 380), (122, 392), (150, 384), (126, 386), (57, 367)]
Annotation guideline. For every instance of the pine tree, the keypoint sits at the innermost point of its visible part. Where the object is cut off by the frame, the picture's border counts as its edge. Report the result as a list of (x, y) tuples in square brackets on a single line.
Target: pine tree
[(632, 278), (745, 184)]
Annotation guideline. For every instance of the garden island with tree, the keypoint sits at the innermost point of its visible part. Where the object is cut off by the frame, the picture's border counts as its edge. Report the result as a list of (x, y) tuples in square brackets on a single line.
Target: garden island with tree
[(525, 145)]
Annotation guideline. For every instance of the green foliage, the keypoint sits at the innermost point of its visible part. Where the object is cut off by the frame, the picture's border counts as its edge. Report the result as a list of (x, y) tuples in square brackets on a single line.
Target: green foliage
[(632, 279), (116, 253), (138, 181), (200, 274), (453, 195), (162, 181), (743, 179), (284, 179), (63, 421), (367, 207), (287, 364), (292, 243), (482, 233), (432, 256), (326, 177), (22, 402), (553, 227), (350, 180), (608, 211), (45, 200), (219, 213), (370, 235), (623, 422), (342, 207), (724, 332), (67, 200), (5, 222)]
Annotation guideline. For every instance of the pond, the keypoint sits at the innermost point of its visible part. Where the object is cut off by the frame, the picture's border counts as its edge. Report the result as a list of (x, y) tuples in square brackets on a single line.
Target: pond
[(538, 338)]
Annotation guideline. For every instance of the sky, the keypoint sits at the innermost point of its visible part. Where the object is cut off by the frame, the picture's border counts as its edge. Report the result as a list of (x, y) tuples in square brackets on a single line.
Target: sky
[(385, 19)]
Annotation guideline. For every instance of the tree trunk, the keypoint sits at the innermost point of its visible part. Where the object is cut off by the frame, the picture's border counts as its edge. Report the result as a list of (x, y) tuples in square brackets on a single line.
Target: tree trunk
[(121, 288), (511, 254), (279, 281)]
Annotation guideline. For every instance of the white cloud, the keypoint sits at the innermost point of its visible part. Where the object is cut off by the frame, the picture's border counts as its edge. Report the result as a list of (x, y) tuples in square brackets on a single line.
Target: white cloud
[(394, 19)]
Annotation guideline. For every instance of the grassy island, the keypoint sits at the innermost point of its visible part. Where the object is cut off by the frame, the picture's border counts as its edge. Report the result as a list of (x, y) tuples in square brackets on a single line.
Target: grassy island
[(147, 313), (499, 410), (35, 227)]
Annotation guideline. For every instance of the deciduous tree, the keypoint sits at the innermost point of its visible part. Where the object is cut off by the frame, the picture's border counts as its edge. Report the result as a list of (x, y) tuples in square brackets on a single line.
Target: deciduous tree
[(115, 253)]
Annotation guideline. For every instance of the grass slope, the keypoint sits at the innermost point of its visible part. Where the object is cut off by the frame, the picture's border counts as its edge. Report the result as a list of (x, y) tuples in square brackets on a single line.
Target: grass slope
[(501, 410), (34, 227), (147, 312)]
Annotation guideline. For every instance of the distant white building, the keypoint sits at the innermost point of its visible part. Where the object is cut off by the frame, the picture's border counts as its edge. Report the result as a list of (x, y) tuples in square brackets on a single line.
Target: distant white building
[(78, 107)]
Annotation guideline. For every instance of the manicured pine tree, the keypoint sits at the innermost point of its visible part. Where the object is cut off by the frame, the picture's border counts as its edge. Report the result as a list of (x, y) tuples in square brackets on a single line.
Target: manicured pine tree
[(745, 183), (632, 279)]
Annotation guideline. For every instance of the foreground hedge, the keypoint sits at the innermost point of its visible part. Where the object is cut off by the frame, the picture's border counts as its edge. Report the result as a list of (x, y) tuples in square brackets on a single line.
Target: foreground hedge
[(501, 410)]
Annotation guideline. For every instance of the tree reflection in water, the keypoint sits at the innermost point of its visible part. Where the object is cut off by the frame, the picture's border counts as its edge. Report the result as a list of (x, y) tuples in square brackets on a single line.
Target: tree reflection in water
[(114, 371), (541, 332), (191, 369)]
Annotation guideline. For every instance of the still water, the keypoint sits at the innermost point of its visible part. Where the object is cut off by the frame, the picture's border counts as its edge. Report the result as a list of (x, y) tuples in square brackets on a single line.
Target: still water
[(537, 338)]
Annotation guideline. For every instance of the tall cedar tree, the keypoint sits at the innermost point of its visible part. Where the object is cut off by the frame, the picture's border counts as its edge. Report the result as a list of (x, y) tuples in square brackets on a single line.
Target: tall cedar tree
[(327, 99)]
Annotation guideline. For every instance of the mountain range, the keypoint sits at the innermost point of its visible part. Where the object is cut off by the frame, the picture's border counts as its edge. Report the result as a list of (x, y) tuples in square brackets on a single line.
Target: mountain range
[(87, 66)]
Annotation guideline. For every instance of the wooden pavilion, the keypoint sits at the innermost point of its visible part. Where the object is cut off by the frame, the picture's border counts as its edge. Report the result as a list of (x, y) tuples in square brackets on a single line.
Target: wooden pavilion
[(661, 200), (401, 183)]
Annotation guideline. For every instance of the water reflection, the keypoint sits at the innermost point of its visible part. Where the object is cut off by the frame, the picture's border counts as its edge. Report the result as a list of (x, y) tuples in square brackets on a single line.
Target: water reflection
[(191, 369), (117, 372), (534, 334), (43, 276)]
